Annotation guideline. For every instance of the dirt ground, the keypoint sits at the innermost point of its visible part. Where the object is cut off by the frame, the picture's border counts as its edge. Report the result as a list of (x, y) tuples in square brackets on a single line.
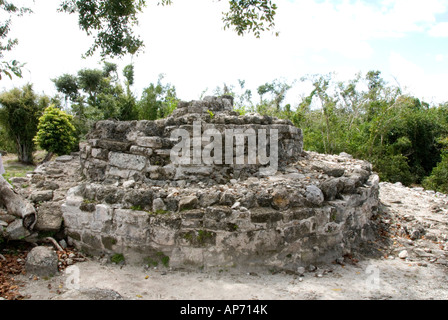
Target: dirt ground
[(410, 264)]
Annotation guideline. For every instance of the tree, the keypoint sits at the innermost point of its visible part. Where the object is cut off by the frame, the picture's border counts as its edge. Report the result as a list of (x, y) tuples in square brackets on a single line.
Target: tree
[(67, 84), (19, 116), (56, 133), (98, 94), (9, 67), (157, 101), (111, 22)]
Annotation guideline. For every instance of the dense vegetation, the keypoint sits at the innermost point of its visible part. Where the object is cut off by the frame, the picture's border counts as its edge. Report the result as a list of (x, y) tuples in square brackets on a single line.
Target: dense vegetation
[(404, 138)]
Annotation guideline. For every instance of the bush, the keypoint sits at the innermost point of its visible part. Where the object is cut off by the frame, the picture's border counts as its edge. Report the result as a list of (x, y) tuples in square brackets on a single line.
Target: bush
[(394, 168), (438, 180), (56, 133), (19, 116), (6, 144)]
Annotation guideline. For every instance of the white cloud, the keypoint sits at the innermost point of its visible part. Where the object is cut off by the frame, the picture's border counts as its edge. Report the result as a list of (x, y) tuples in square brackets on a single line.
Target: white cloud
[(416, 81), (440, 57), (439, 30)]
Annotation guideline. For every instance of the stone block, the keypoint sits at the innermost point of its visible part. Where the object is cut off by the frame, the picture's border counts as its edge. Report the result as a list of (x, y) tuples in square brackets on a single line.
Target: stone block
[(42, 261), (149, 142), (127, 161), (49, 217)]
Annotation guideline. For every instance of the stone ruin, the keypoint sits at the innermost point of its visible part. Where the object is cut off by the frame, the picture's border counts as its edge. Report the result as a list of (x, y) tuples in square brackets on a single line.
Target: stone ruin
[(137, 202)]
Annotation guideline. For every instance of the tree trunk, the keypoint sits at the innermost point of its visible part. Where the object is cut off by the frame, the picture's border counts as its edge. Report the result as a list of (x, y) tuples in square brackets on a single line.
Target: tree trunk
[(16, 205), (47, 157)]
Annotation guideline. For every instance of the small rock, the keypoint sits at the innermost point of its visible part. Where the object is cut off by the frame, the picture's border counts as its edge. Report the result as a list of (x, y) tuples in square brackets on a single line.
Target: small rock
[(312, 268), (187, 203), (236, 205), (415, 234), (129, 184), (314, 195), (63, 244), (403, 254), (301, 271), (41, 196), (158, 205), (42, 261), (16, 230), (345, 155), (64, 158)]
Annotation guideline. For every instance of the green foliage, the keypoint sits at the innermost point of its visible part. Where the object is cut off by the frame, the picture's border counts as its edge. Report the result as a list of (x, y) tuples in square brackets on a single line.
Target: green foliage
[(250, 16), (158, 101), (117, 258), (6, 143), (372, 120), (19, 117), (9, 9), (110, 22), (158, 257), (67, 84), (438, 180), (97, 94), (56, 132)]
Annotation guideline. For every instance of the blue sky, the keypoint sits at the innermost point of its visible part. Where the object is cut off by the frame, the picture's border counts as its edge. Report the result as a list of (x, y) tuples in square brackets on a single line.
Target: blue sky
[(407, 40)]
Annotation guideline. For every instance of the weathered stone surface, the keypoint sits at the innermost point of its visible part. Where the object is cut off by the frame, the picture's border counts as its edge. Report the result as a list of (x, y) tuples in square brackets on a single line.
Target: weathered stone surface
[(314, 195), (16, 230), (187, 203), (41, 196), (65, 158), (49, 217), (158, 205), (42, 261), (127, 161)]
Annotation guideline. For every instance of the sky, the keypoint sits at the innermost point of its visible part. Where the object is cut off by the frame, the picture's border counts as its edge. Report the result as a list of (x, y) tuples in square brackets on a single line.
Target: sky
[(407, 40)]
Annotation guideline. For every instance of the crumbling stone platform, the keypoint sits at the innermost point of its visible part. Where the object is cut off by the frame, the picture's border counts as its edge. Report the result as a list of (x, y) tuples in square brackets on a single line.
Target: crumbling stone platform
[(137, 202)]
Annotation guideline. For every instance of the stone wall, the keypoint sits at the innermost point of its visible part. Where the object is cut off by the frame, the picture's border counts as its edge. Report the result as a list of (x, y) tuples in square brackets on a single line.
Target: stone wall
[(140, 150)]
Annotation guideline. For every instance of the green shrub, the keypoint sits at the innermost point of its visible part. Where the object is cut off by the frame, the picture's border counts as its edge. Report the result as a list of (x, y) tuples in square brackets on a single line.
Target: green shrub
[(117, 258), (56, 132), (438, 180)]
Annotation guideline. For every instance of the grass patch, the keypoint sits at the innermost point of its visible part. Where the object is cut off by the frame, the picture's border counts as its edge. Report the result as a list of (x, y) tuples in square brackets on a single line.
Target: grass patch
[(17, 170), (158, 212), (159, 257), (117, 258)]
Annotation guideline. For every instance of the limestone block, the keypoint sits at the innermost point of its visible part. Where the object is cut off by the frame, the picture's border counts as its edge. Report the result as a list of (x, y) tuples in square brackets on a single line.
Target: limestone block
[(42, 261), (127, 161), (150, 142), (49, 217)]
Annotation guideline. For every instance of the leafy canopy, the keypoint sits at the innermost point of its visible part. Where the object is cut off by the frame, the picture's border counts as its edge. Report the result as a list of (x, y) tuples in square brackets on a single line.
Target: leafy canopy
[(111, 22)]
